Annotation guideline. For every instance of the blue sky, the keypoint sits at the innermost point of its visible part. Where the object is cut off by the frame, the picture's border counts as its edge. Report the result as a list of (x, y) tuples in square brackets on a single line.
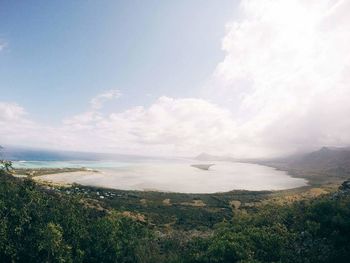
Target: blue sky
[(60, 54), (247, 78)]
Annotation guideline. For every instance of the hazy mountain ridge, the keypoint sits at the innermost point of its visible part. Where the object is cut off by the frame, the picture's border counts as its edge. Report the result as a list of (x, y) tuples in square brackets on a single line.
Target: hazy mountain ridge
[(326, 158), (317, 166), (331, 160), (327, 164), (208, 157)]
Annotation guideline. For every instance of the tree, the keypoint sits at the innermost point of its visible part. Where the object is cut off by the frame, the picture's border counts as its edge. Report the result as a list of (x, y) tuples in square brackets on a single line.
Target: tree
[(5, 165), (52, 245)]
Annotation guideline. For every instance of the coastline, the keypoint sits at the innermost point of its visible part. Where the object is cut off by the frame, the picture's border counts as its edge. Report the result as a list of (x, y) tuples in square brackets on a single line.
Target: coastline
[(60, 178), (66, 177), (100, 179), (160, 182)]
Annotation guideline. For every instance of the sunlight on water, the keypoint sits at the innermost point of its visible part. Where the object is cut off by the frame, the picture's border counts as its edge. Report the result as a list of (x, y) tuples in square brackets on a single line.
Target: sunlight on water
[(172, 176)]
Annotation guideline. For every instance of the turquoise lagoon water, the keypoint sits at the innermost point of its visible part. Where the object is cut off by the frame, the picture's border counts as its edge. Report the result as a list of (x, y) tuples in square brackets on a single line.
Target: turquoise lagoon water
[(170, 175), (68, 164)]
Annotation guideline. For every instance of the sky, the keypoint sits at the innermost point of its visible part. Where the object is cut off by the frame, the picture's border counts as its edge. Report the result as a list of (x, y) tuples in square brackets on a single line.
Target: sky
[(245, 78)]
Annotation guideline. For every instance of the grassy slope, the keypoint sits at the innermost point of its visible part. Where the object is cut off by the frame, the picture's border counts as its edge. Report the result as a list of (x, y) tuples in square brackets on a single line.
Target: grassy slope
[(188, 212), (55, 224)]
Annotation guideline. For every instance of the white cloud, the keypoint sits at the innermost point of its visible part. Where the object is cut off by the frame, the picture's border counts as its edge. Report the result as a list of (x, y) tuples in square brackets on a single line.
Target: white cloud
[(283, 86), (3, 45), (168, 126), (287, 70), (98, 101), (14, 124), (11, 112)]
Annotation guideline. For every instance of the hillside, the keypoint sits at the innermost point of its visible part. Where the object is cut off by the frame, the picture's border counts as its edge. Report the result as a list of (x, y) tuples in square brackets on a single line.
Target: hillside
[(324, 165), (43, 225), (328, 164), (46, 223), (331, 160)]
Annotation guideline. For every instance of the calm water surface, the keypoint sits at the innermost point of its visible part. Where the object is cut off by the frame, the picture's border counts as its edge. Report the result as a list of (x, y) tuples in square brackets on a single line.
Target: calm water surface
[(172, 175)]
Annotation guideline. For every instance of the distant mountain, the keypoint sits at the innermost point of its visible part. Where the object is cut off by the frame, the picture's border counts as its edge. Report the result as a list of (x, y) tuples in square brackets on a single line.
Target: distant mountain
[(326, 158), (327, 161)]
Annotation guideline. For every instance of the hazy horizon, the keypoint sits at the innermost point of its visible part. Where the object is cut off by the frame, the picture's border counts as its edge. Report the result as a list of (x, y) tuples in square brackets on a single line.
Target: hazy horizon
[(172, 176), (249, 78), (23, 153)]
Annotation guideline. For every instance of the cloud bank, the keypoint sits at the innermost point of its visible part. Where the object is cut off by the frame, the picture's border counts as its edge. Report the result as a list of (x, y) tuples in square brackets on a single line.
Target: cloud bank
[(2, 45), (98, 101), (286, 73), (282, 87)]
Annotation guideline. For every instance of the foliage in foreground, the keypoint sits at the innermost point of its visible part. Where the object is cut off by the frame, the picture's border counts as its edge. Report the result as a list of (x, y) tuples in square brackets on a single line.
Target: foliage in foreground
[(41, 226), (37, 226), (309, 231)]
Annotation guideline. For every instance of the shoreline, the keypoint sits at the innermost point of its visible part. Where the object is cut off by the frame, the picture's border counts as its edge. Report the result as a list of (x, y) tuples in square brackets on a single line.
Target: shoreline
[(55, 177), (44, 176)]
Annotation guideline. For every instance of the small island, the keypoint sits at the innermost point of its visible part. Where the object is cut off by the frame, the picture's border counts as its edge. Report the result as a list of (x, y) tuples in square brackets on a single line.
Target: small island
[(203, 166)]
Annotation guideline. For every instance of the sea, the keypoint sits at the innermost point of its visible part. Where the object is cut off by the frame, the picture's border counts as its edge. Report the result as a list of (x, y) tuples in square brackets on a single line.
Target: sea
[(168, 175)]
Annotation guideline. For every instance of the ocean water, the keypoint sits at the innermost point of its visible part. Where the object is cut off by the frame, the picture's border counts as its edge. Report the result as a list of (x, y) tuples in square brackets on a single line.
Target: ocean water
[(171, 175)]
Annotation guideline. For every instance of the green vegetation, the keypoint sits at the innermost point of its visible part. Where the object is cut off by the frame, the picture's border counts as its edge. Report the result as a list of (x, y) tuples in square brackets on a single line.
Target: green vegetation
[(47, 224), (308, 231), (39, 226)]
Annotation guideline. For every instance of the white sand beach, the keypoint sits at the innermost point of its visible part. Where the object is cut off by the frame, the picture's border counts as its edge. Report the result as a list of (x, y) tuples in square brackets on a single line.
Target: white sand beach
[(180, 177)]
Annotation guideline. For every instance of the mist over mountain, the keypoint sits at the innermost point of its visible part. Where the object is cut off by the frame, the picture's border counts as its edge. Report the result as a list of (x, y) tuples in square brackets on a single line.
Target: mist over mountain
[(320, 165), (208, 157), (330, 159), (333, 161)]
